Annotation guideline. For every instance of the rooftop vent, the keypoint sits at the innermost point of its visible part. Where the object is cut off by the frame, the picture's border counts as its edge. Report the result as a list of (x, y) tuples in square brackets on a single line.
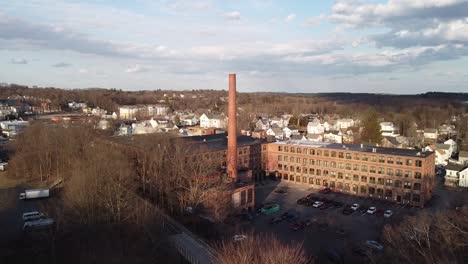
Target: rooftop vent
[(374, 150)]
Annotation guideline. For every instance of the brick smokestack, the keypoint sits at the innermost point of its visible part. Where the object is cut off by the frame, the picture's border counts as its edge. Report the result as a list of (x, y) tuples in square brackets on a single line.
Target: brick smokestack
[(232, 129)]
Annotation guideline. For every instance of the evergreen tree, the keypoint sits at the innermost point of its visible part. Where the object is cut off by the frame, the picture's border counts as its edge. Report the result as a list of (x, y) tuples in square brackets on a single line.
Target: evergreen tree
[(371, 127)]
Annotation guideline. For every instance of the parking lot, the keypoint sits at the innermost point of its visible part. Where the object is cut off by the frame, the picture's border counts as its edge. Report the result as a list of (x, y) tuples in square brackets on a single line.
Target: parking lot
[(328, 230)]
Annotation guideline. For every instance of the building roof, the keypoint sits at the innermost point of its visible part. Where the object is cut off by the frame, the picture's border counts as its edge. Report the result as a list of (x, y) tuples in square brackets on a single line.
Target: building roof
[(463, 154), (360, 148), (442, 146), (392, 140), (219, 141), (455, 167), (430, 130)]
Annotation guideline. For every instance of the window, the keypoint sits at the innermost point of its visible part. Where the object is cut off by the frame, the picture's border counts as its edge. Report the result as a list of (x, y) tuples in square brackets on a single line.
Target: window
[(291, 168), (379, 192), (399, 173), (319, 163), (319, 153), (390, 172), (298, 160), (355, 188), (311, 162), (356, 156), (388, 193), (285, 176), (371, 190), (333, 164), (304, 161), (372, 169), (380, 181), (373, 159), (417, 175), (333, 154), (340, 175), (286, 158), (312, 152), (298, 179), (286, 149), (298, 169), (388, 182), (398, 184), (340, 185), (304, 170), (280, 158), (304, 179), (363, 178), (381, 170), (417, 186), (317, 181), (326, 153), (418, 163), (409, 162), (407, 185), (333, 174), (348, 155), (382, 159), (416, 198), (372, 180), (340, 165), (299, 150), (280, 148), (399, 162), (355, 167), (325, 164), (364, 158), (347, 176), (364, 168), (319, 172), (293, 150), (311, 171), (325, 173), (408, 174), (346, 187), (363, 189), (355, 177), (311, 180), (332, 184), (348, 166), (340, 155), (390, 160), (280, 166)]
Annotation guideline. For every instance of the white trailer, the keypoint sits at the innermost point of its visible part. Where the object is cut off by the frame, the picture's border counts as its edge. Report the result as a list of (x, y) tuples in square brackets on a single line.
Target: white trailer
[(34, 194)]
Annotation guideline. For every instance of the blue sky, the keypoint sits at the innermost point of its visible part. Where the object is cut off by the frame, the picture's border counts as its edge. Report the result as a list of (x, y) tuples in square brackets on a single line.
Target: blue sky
[(393, 46)]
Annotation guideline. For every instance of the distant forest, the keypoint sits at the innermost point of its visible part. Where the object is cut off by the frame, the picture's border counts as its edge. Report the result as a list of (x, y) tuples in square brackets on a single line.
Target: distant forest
[(426, 110)]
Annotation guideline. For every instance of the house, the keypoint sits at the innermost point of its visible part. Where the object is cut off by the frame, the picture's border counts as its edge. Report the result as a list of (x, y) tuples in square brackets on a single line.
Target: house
[(387, 129), (13, 127), (456, 175), (315, 128), (262, 124), (446, 147), (289, 131), (275, 132), (447, 129), (442, 155), (430, 133), (453, 146), (124, 130), (213, 121), (391, 142), (189, 120), (333, 137), (463, 157), (280, 122), (344, 123)]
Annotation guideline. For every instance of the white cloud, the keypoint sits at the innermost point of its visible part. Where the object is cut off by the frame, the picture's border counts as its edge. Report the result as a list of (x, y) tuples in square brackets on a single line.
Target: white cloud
[(83, 70), (290, 18), (61, 65), (137, 68), (234, 15)]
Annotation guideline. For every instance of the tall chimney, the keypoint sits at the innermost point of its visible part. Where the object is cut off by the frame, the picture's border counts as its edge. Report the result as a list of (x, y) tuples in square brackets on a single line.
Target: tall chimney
[(232, 129)]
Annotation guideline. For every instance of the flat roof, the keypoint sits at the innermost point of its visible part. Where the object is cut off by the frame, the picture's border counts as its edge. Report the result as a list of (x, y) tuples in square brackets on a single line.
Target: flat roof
[(219, 141), (359, 148)]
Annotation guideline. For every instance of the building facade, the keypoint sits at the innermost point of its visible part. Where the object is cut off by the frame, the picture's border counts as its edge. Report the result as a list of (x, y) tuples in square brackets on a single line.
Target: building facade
[(399, 175)]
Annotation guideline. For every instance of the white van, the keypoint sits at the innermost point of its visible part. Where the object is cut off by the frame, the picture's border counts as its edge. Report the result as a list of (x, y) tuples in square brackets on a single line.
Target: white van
[(32, 216)]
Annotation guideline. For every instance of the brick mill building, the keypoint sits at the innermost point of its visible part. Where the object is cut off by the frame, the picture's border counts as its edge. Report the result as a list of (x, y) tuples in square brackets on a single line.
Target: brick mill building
[(400, 175)]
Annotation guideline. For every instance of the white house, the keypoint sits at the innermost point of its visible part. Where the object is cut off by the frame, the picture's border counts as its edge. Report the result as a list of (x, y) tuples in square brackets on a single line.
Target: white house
[(315, 128), (189, 120), (289, 131), (431, 133), (463, 157), (457, 175), (262, 124), (280, 122), (453, 146), (447, 129), (387, 129), (315, 137), (441, 155), (344, 123), (333, 138), (213, 121), (275, 132)]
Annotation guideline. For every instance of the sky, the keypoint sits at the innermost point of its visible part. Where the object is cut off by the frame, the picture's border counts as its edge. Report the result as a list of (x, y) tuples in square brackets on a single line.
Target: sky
[(392, 46)]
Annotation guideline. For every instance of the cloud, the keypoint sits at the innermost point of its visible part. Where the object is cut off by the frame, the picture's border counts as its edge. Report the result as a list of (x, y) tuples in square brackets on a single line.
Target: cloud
[(314, 21), (18, 61), (137, 68), (290, 18), (234, 15), (83, 70), (61, 65)]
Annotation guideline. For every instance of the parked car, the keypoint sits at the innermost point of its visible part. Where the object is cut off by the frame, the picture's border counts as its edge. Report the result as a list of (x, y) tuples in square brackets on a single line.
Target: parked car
[(270, 209), (374, 245), (32, 216), (388, 213), (379, 212), (371, 210), (317, 204), (355, 206), (238, 238)]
